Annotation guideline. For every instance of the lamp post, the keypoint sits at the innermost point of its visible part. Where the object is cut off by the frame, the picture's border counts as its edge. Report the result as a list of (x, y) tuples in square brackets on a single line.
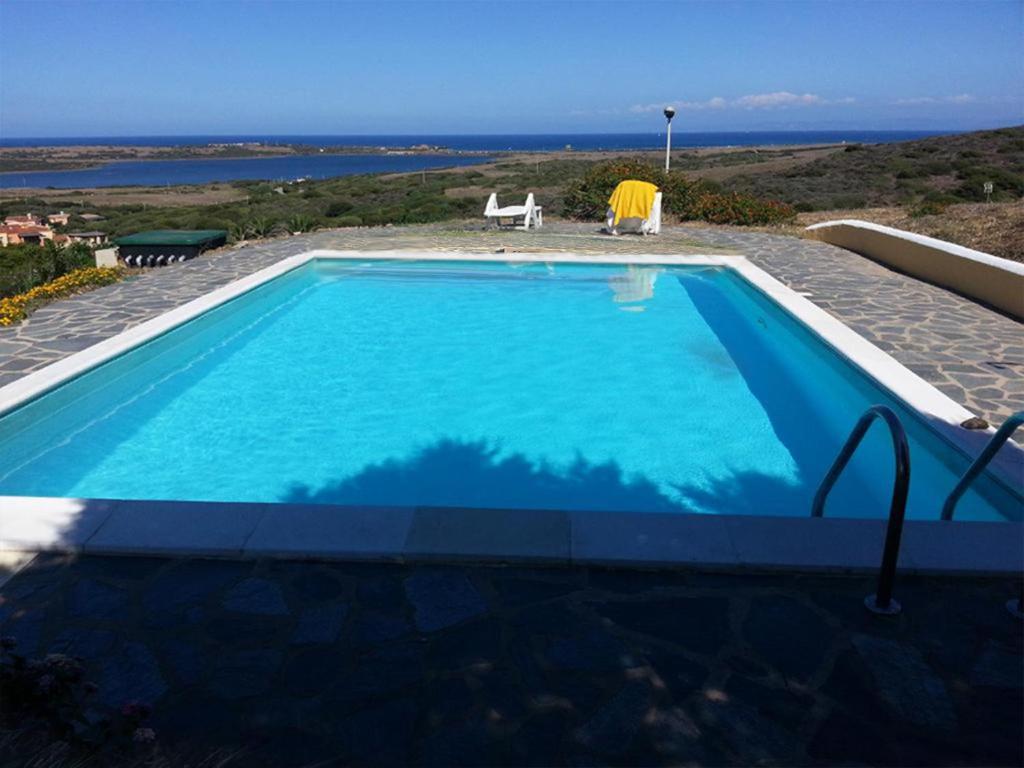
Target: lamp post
[(670, 112)]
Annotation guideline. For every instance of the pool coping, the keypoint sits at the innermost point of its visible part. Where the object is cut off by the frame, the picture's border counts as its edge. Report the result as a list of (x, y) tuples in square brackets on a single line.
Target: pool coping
[(416, 533), (240, 530)]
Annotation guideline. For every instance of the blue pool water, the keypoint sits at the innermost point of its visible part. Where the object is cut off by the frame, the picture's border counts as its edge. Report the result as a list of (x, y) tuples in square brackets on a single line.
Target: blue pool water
[(485, 385)]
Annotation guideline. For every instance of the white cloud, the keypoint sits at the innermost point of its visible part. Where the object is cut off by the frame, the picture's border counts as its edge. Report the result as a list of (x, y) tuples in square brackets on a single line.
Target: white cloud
[(777, 99), (714, 103), (914, 101), (639, 109), (751, 101)]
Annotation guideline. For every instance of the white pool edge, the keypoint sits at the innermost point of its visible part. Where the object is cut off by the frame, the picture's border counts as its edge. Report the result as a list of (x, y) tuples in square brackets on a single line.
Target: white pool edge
[(725, 541), (553, 537)]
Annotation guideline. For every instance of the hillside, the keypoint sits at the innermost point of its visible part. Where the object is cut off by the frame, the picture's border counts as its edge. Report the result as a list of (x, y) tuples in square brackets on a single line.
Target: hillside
[(932, 186), (938, 170), (996, 228)]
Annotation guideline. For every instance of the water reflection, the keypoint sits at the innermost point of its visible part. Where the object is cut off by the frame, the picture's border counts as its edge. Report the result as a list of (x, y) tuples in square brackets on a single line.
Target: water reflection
[(634, 286)]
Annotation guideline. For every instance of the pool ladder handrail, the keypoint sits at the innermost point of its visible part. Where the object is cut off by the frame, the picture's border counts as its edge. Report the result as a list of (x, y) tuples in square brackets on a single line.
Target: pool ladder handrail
[(881, 602), (978, 465)]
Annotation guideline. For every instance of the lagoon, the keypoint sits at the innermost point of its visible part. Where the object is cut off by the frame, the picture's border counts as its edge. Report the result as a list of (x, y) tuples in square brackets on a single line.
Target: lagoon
[(288, 168), (322, 166)]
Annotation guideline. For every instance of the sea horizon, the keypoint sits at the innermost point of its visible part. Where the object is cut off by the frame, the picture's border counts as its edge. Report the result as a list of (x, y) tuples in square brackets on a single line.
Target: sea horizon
[(495, 142)]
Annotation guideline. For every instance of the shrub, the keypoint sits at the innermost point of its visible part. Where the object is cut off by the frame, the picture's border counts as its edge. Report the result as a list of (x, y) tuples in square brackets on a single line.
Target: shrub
[(16, 308), (348, 221), (848, 201), (338, 208), (260, 227), (741, 209), (1007, 185), (942, 198), (238, 231), (587, 198), (210, 222), (24, 266), (300, 223), (927, 208), (52, 696)]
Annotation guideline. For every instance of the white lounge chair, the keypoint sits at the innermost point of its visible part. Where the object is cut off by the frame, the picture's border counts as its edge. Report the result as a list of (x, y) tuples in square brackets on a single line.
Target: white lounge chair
[(532, 215), (647, 226)]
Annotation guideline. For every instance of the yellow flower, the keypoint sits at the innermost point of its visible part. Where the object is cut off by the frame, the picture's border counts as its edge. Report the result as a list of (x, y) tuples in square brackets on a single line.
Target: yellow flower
[(16, 308)]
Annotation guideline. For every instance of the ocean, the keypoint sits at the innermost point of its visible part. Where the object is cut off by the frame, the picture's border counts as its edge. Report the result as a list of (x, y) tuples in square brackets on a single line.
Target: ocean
[(202, 171)]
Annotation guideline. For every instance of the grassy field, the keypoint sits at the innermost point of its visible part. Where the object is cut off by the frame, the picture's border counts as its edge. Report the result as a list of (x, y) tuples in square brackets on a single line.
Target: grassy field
[(939, 170), (926, 185), (996, 228)]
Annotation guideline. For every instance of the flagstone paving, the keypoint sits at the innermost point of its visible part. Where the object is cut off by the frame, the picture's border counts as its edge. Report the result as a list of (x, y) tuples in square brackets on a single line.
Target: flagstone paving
[(971, 353), (385, 664)]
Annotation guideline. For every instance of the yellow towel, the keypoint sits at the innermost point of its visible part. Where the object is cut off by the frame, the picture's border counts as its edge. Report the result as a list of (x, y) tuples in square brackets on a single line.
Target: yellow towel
[(632, 199)]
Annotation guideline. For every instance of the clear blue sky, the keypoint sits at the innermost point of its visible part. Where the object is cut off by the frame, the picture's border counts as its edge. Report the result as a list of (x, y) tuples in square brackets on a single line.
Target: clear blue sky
[(163, 68)]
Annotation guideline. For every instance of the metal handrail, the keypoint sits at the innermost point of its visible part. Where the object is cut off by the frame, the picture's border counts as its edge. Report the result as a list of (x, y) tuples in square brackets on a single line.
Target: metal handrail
[(881, 601), (978, 466)]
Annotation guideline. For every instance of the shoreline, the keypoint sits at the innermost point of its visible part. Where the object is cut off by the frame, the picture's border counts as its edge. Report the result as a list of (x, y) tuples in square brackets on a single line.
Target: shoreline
[(199, 157), (487, 159)]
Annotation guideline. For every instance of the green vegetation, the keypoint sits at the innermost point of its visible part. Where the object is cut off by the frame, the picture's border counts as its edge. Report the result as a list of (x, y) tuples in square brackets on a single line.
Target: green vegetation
[(23, 267), (268, 208), (348, 201), (740, 209), (923, 175), (940, 170), (575, 188), (587, 198), (19, 306)]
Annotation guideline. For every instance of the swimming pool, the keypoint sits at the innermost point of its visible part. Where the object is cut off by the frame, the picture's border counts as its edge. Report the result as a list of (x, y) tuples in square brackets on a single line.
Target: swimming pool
[(586, 387)]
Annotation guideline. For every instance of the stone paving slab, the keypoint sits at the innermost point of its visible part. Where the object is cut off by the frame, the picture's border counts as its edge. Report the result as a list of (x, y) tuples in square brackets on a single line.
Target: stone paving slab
[(971, 353), (294, 664)]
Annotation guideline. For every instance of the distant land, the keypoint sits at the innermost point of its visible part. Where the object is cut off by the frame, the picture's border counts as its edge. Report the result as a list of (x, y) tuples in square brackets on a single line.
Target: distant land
[(934, 186), (69, 163)]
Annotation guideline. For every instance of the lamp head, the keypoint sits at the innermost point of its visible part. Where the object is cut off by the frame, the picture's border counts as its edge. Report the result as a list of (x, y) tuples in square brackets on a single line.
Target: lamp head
[(670, 112)]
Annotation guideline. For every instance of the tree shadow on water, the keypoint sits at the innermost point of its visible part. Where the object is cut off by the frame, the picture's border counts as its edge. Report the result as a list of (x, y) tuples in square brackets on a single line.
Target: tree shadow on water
[(458, 473), (749, 493), (454, 473)]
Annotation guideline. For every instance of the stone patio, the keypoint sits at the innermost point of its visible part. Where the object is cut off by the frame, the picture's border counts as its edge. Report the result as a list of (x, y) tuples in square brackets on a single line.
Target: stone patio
[(969, 352), (293, 664)]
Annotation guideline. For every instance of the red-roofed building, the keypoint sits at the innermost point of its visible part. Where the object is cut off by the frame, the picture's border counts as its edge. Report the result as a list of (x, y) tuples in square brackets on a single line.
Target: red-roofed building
[(28, 220), (15, 234)]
